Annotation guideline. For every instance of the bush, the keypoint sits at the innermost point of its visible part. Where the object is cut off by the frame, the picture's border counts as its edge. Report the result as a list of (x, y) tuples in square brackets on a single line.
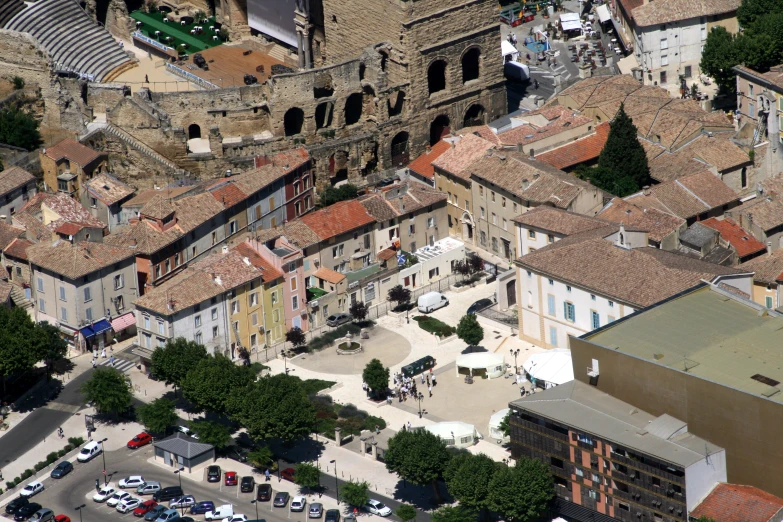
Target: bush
[(75, 441), (371, 421), (434, 326), (352, 425), (404, 307), (26, 474), (313, 386), (258, 367), (62, 453), (349, 410), (18, 82), (9, 484), (51, 457), (39, 466), (68, 448)]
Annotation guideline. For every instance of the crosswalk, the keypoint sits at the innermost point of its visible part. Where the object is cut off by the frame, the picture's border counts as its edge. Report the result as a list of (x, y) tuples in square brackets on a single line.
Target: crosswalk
[(121, 365)]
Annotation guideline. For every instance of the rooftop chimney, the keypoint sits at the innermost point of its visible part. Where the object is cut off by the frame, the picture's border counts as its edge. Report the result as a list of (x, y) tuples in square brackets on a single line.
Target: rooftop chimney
[(225, 249), (646, 190)]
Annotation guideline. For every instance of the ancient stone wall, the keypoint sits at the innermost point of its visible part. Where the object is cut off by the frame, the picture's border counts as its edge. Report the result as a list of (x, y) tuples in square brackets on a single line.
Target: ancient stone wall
[(349, 29), (106, 96)]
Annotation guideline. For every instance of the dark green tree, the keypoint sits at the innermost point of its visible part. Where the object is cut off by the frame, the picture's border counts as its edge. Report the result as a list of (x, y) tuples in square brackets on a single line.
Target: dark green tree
[(469, 330), (419, 457), (332, 195), (355, 493), (751, 11), (261, 458), (468, 478), (719, 56), (454, 514), (307, 476), (757, 50), (296, 337), (212, 433), (108, 390), (214, 379), (505, 425), (521, 493), (48, 344), (275, 407), (157, 416), (400, 295), (173, 362), (406, 512), (18, 128), (358, 311), (376, 376), (18, 82), (623, 157)]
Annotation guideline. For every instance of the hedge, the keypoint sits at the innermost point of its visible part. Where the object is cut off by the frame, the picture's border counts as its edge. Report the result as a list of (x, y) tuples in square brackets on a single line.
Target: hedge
[(434, 326)]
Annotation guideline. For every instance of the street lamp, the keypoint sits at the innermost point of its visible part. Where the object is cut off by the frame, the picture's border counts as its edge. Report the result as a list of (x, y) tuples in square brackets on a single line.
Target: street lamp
[(278, 471), (179, 476), (515, 353), (255, 502), (420, 398), (103, 454), (79, 509), (336, 483)]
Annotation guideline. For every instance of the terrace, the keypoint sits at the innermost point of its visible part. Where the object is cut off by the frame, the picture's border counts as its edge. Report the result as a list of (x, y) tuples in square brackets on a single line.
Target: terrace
[(173, 34)]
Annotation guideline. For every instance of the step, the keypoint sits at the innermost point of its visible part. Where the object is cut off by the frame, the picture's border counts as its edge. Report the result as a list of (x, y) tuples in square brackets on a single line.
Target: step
[(56, 41), (94, 53), (110, 62)]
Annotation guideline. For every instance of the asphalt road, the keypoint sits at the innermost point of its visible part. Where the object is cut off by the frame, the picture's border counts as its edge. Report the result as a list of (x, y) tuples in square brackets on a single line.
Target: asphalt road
[(78, 487)]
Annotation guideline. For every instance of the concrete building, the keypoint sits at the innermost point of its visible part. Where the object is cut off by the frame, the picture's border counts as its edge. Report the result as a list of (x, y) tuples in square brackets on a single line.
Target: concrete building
[(708, 357), (132, 207), (68, 165), (741, 242), (17, 186), (326, 295), (759, 106), (179, 450), (763, 218), (421, 168), (612, 461), (663, 229), (104, 196), (435, 262)]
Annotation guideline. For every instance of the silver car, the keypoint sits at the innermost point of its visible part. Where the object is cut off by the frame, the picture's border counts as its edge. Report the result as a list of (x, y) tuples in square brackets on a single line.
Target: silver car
[(186, 501), (316, 510), (338, 319)]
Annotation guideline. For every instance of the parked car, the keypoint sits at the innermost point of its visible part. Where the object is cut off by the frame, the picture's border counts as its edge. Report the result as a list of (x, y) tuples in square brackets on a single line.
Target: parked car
[(220, 512), (213, 474), (118, 497), (236, 453), (247, 485), (144, 508), (231, 478), (298, 503), (431, 301), (134, 481), (186, 431), (316, 510), (183, 502), (170, 515), (236, 518), (264, 492), (148, 488), (26, 511), (338, 319), (479, 305), (62, 518), (14, 506), (377, 508), (155, 512), (142, 439), (103, 494), (187, 519), (90, 450), (43, 515), (281, 499), (128, 504), (288, 474), (33, 488), (202, 507), (61, 469), (332, 515), (167, 493)]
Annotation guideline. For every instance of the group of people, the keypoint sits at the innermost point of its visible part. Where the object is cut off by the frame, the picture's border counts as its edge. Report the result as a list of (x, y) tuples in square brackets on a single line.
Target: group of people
[(103, 355), (512, 39), (404, 386)]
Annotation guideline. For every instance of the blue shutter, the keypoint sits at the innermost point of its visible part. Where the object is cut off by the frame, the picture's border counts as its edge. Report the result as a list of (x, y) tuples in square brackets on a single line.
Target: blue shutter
[(551, 302)]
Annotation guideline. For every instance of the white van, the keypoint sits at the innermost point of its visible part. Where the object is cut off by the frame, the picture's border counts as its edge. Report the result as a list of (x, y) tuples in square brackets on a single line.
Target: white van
[(90, 450), (220, 512), (432, 301)]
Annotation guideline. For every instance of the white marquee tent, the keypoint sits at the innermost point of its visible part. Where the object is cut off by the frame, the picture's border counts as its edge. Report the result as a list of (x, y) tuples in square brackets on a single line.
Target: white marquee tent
[(510, 53), (549, 368), (480, 363), (494, 424), (603, 13), (570, 22), (455, 434)]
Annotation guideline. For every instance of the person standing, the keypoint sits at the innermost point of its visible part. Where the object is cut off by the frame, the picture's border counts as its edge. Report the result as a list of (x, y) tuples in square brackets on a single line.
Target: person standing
[(430, 388)]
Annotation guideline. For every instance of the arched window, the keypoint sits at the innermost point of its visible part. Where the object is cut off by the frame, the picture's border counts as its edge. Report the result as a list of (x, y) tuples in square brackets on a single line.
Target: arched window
[(194, 131), (474, 116), (436, 76), (470, 65), (439, 128), (353, 109), (293, 121), (396, 103), (400, 154)]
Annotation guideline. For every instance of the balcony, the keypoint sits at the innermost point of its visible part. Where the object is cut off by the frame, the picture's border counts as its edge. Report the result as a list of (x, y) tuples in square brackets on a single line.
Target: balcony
[(314, 293)]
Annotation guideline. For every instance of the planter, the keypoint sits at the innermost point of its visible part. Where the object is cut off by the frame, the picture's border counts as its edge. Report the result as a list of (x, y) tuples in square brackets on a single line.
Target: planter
[(349, 348)]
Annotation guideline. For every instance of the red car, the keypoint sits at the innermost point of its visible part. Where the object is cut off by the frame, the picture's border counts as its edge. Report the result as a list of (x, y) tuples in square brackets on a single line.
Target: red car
[(142, 439), (61, 518), (288, 474), (144, 508), (231, 478)]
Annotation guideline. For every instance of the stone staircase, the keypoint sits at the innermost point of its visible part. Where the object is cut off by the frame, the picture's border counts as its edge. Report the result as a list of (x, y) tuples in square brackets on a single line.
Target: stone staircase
[(278, 52), (9, 9), (19, 298)]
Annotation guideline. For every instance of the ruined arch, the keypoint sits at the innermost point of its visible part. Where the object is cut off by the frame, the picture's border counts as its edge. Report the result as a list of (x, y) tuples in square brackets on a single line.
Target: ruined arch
[(323, 115), (338, 166), (353, 108), (400, 150), (194, 131), (436, 76), (475, 115), (293, 121), (471, 64), (439, 128), (368, 101), (396, 103)]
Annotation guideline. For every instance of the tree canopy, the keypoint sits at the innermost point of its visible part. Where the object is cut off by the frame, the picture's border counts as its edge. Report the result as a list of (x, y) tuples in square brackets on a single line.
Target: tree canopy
[(157, 415), (296, 337), (521, 493), (214, 379), (358, 311), (406, 512), (210, 432), (419, 457), (469, 330), (108, 390), (19, 129), (400, 295), (622, 164), (376, 376), (719, 56), (332, 195), (173, 362), (454, 514), (307, 476), (355, 493), (468, 477)]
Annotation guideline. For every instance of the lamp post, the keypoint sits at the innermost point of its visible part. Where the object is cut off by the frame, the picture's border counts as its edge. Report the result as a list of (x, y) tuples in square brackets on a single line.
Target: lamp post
[(179, 476), (515, 353), (336, 483), (79, 509), (420, 398), (103, 454), (255, 503), (278, 471)]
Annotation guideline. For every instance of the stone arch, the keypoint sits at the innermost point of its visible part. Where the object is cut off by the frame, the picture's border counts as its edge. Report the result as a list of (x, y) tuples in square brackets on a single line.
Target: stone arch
[(439, 128), (194, 131), (471, 64), (293, 121), (436, 76), (338, 166), (400, 149), (323, 115), (368, 100), (468, 226), (475, 115), (396, 103), (384, 60), (353, 108)]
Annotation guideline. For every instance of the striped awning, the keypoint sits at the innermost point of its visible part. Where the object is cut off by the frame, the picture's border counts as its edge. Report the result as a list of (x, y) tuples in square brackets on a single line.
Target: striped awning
[(122, 322)]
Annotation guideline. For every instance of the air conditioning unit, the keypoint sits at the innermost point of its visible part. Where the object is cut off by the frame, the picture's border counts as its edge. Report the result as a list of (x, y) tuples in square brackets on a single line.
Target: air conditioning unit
[(314, 304), (354, 284)]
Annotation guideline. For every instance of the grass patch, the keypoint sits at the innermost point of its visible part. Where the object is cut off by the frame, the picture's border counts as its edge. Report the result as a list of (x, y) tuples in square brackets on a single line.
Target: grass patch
[(434, 326), (314, 293), (313, 386)]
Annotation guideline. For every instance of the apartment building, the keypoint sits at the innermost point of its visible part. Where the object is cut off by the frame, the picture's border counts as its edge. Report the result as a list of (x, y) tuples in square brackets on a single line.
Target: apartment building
[(68, 165), (104, 196), (17, 186), (759, 97)]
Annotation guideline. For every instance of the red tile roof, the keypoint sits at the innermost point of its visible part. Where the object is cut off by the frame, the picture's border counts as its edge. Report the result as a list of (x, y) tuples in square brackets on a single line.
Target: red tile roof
[(525, 134), (735, 503), (18, 248), (579, 151), (270, 272), (329, 275), (744, 243), (423, 164), (74, 151), (386, 254), (337, 219), (68, 228), (229, 195)]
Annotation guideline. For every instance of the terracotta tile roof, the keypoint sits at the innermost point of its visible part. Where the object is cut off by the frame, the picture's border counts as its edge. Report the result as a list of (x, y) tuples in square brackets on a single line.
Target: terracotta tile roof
[(73, 151), (230, 268), (529, 179), (744, 243), (328, 275), (423, 164), (401, 199), (658, 224), (719, 152), (32, 225), (765, 213), (270, 273), (18, 248), (143, 197), (289, 160), (157, 208), (579, 151), (228, 194), (767, 268), (482, 131), (108, 189), (63, 208), (295, 231), (665, 11), (337, 219), (735, 503), (76, 260), (70, 210), (5, 291), (456, 160), (558, 221), (386, 254), (13, 178), (526, 134), (773, 186), (773, 76), (68, 229), (8, 233), (686, 197), (639, 276), (378, 207)]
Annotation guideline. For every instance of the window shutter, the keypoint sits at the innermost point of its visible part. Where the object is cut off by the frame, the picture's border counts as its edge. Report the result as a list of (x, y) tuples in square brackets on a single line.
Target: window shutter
[(565, 310)]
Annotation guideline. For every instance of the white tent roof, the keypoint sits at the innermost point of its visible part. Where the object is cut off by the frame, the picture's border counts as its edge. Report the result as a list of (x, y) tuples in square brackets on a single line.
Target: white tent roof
[(603, 13), (479, 360), (551, 366), (570, 22), (498, 417), (506, 48), (445, 429)]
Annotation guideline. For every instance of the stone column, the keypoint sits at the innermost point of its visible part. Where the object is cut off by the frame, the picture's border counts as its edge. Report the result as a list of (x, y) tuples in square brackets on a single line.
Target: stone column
[(300, 48), (374, 450), (337, 437), (307, 51)]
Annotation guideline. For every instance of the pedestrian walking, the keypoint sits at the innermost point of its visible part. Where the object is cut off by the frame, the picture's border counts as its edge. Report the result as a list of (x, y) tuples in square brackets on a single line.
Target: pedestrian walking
[(422, 378), (433, 381), (60, 432), (430, 390), (111, 361), (103, 353), (146, 79), (535, 84), (409, 425), (428, 380), (266, 474)]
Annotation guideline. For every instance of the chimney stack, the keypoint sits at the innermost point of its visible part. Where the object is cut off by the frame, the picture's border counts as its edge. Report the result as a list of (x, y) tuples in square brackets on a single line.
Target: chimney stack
[(646, 190)]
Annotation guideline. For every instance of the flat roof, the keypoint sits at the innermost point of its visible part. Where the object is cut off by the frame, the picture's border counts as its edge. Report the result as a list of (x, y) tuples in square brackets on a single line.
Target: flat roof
[(587, 409), (709, 333), (438, 248)]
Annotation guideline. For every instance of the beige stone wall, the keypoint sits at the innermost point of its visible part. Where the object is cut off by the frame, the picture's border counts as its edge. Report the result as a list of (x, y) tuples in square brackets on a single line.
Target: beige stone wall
[(350, 29)]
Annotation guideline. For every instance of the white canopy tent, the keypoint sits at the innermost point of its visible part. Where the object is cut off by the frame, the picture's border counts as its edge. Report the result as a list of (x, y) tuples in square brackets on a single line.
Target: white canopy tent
[(494, 424), (570, 22), (549, 368), (481, 363), (509, 52), (455, 434), (603, 13)]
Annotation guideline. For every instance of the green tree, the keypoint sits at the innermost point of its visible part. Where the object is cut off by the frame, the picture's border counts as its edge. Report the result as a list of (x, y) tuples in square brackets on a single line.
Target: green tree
[(261, 458), (521, 493), (358, 311), (505, 425), (751, 11), (468, 478), (718, 57), (454, 514), (757, 50), (19, 128), (376, 376), (275, 407), (623, 157), (108, 390), (212, 433), (49, 345), (307, 476), (332, 195), (418, 457), (18, 82), (406, 512), (400, 295), (173, 362), (157, 415), (355, 493), (213, 381), (296, 337), (469, 330)]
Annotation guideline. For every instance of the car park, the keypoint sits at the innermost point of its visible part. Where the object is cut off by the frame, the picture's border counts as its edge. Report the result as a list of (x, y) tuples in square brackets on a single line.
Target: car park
[(480, 305), (316, 510), (26, 511), (202, 507), (134, 481), (264, 493), (117, 497), (231, 478), (144, 508), (338, 319), (14, 506), (142, 439), (61, 469), (33, 488), (186, 501), (298, 503), (332, 515), (128, 504), (89, 451), (377, 508), (103, 494), (288, 474), (213, 474), (155, 512), (247, 485), (148, 488), (281, 499), (42, 515), (237, 453)]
